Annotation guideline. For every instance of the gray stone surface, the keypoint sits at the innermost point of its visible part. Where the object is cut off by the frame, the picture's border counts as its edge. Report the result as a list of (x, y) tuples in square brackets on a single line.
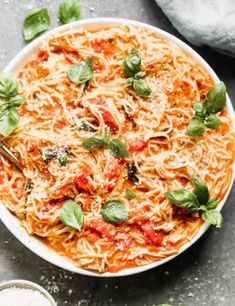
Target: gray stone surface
[(203, 275)]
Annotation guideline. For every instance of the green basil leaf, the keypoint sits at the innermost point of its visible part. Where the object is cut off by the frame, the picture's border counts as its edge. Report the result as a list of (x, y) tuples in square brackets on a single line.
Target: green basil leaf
[(142, 88), (69, 11), (199, 111), (72, 215), (95, 142), (130, 194), (9, 120), (114, 211), (195, 127), (132, 62), (130, 81), (200, 189), (216, 99), (212, 204), (212, 122), (118, 149), (183, 198), (36, 21), (16, 101), (213, 217), (139, 75), (8, 86), (82, 72)]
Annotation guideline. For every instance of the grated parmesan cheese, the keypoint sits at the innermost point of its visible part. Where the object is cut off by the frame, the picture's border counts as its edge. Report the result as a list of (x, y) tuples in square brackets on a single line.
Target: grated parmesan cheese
[(22, 297)]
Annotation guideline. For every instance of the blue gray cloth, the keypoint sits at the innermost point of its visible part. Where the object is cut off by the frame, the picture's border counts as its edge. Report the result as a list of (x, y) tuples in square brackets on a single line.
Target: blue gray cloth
[(204, 22)]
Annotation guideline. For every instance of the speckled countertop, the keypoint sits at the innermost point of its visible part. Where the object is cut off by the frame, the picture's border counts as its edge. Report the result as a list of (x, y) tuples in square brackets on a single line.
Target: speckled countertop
[(203, 275)]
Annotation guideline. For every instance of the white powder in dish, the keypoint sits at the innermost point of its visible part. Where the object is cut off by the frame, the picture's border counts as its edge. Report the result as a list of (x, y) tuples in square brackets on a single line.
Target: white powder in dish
[(22, 297)]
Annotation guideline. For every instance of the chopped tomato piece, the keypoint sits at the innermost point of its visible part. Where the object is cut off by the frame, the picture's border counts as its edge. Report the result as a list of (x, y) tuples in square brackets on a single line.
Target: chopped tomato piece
[(113, 173), (180, 212), (60, 123), (136, 144), (104, 46), (97, 101), (20, 75), (42, 56), (82, 183), (103, 228), (92, 237), (108, 120), (98, 66), (1, 165), (152, 236), (70, 56)]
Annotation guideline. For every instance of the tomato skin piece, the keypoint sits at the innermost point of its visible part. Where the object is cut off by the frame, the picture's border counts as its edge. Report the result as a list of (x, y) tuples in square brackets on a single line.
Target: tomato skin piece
[(136, 144), (102, 228), (152, 236), (82, 183)]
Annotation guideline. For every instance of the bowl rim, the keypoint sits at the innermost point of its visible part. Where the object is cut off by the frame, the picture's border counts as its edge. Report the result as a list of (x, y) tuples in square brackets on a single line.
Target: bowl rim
[(11, 221), (25, 284)]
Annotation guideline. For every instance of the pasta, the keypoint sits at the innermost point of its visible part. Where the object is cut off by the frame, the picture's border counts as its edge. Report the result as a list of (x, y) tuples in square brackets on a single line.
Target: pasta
[(59, 115)]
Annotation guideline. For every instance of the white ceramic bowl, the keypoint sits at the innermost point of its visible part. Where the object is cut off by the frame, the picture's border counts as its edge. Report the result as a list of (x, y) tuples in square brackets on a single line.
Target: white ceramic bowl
[(11, 221), (24, 284)]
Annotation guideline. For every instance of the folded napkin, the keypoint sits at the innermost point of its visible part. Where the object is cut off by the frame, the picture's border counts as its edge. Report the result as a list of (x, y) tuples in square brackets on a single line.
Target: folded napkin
[(204, 22)]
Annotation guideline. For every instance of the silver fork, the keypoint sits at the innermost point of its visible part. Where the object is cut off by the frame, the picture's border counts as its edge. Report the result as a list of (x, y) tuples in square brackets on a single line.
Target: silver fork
[(4, 150)]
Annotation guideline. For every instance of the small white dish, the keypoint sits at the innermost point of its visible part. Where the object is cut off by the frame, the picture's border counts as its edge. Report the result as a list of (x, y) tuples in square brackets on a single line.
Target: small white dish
[(12, 223), (24, 284)]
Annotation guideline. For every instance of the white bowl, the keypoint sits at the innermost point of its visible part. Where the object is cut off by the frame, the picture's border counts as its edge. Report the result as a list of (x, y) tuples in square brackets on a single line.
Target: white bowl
[(12, 223), (24, 284)]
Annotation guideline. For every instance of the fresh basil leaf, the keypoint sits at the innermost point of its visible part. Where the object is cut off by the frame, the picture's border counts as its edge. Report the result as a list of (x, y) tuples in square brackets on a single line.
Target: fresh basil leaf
[(69, 11), (139, 75), (132, 62), (16, 101), (130, 81), (200, 189), (142, 88), (114, 211), (95, 142), (118, 149), (72, 215), (212, 121), (9, 120), (183, 198), (36, 21), (8, 86), (216, 99), (82, 72), (212, 204), (130, 194), (213, 217), (199, 111), (195, 127)]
